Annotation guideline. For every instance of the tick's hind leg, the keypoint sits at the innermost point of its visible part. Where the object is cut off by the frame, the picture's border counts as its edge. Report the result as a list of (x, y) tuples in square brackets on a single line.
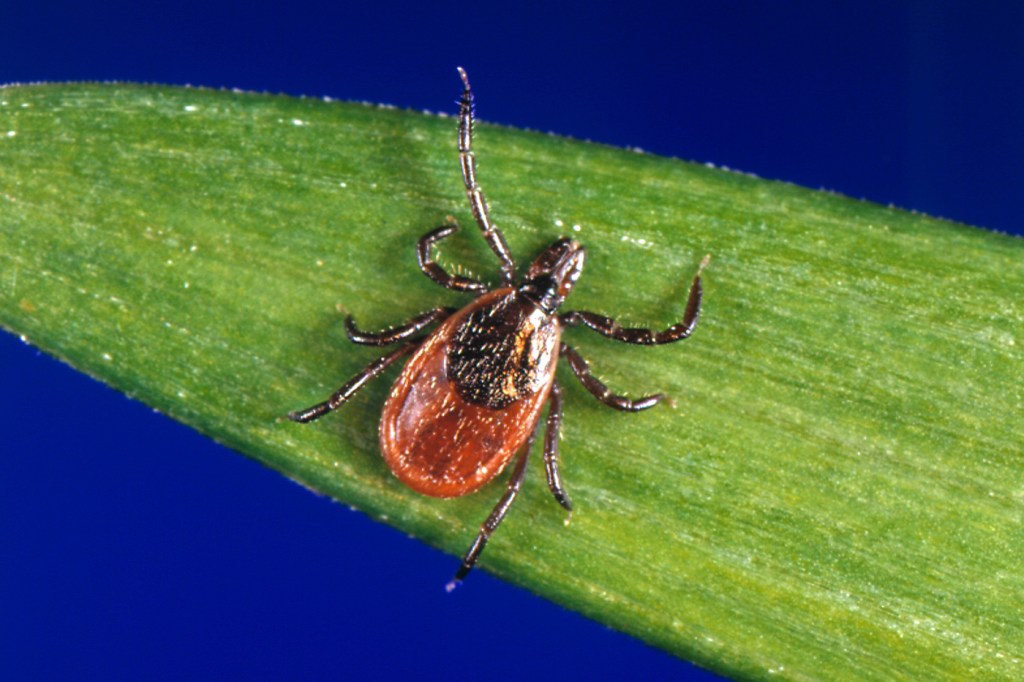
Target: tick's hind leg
[(554, 426), (645, 337), (474, 193), (341, 396), (434, 271), (395, 334), (582, 371), (496, 516)]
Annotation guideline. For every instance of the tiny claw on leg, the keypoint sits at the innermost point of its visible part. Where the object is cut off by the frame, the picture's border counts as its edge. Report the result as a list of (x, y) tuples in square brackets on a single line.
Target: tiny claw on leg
[(464, 568), (703, 263)]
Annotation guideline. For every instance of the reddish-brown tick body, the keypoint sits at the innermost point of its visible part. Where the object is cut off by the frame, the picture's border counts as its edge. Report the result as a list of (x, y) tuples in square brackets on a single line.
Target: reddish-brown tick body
[(471, 397)]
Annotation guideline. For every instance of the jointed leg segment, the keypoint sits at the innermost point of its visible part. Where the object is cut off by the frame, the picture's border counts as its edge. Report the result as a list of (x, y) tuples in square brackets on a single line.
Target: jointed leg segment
[(341, 396), (646, 337), (515, 481), (435, 271), (582, 371), (551, 434), (475, 194), (395, 334), (496, 516)]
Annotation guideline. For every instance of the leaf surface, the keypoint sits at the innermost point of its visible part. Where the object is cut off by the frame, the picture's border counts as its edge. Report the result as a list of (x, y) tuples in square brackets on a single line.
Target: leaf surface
[(836, 494)]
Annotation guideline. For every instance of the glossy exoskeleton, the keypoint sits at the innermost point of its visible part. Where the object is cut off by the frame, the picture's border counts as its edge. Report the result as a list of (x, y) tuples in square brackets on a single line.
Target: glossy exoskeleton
[(471, 396)]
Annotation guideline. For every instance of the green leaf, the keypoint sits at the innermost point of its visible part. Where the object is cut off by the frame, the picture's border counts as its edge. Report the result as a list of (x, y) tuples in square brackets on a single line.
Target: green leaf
[(837, 493)]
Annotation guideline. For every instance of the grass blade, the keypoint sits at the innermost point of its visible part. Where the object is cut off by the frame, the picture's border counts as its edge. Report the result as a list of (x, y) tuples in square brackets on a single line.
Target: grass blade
[(836, 495)]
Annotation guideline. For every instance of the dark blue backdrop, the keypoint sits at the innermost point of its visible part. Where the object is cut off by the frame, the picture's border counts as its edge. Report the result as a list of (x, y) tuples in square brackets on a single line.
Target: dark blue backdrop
[(133, 548)]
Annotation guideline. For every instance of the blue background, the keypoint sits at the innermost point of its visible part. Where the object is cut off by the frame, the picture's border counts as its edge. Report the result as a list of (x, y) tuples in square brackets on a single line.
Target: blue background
[(133, 548)]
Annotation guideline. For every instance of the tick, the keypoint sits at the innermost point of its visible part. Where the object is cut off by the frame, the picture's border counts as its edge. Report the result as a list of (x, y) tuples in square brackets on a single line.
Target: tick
[(470, 398)]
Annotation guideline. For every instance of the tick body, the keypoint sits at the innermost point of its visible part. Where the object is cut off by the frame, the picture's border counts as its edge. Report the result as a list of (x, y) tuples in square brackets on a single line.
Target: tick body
[(471, 397)]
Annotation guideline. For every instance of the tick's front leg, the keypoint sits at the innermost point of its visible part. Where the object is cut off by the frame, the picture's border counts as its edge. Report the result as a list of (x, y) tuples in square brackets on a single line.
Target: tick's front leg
[(467, 159), (640, 335)]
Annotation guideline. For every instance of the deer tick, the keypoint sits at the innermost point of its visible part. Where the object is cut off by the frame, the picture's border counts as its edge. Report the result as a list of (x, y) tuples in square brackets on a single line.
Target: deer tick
[(471, 397)]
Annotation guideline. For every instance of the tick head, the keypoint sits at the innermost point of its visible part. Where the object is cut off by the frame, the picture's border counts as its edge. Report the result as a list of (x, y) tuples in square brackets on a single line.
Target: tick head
[(552, 276)]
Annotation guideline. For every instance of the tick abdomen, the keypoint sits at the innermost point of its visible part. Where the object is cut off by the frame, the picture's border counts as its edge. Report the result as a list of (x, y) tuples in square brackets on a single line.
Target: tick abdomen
[(468, 399)]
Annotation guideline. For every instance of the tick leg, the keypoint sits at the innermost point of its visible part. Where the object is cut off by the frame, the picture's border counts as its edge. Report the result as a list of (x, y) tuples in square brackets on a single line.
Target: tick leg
[(395, 334), (554, 426), (341, 396), (435, 271), (582, 371), (473, 191), (646, 337), (496, 516)]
